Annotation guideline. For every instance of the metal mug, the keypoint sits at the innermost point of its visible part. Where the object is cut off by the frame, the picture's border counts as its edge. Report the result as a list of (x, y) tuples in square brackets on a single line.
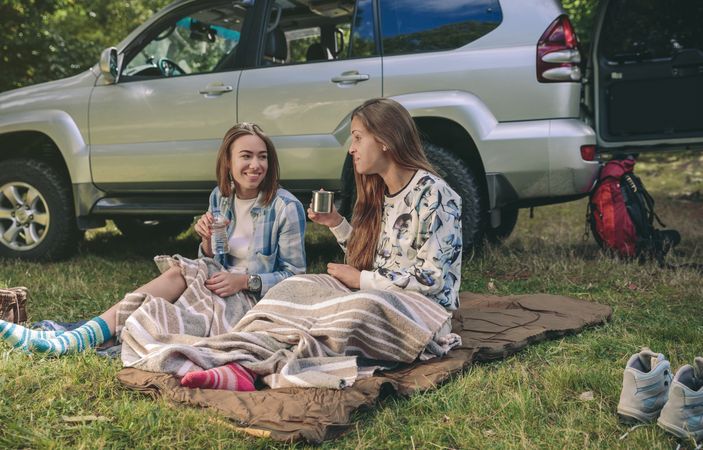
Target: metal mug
[(322, 201)]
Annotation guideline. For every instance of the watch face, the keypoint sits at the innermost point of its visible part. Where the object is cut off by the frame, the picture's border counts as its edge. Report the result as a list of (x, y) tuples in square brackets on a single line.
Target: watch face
[(254, 283)]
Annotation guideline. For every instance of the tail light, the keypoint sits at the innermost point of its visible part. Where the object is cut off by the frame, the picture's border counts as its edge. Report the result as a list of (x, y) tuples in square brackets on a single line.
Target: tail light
[(588, 152), (558, 55)]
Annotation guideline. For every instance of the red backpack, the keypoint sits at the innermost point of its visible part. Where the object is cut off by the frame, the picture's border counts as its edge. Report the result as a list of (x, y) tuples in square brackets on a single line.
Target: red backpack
[(621, 214)]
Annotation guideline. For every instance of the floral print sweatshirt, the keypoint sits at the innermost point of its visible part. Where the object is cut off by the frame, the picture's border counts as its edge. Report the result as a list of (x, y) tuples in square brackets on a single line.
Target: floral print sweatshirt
[(420, 244)]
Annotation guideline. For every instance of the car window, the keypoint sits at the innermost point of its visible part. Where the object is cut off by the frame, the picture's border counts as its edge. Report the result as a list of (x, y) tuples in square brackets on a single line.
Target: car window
[(196, 41), (363, 40), (646, 30), (314, 31), (411, 26)]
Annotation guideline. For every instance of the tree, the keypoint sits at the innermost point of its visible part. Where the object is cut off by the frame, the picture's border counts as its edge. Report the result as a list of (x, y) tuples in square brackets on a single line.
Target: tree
[(582, 14), (45, 40)]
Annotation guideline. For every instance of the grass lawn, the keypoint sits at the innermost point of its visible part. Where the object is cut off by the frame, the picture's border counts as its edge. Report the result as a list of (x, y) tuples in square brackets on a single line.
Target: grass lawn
[(533, 399)]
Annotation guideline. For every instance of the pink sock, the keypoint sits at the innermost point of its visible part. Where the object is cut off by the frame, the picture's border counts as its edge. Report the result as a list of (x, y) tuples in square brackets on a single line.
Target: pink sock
[(232, 377)]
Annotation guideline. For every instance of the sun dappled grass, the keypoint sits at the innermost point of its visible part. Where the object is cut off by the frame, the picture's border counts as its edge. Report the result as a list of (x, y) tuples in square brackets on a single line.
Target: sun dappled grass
[(675, 175), (529, 400)]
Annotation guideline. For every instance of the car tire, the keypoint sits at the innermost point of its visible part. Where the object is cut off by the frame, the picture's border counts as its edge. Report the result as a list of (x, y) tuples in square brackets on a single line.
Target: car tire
[(140, 229), (464, 182), (37, 219), (347, 195), (508, 220)]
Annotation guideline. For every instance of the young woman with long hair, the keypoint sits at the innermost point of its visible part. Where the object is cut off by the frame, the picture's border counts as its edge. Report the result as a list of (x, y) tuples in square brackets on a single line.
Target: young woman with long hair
[(406, 229)]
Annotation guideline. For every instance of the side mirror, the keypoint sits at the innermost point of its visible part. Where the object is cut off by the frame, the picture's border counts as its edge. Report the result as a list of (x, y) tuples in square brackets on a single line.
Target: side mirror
[(108, 65)]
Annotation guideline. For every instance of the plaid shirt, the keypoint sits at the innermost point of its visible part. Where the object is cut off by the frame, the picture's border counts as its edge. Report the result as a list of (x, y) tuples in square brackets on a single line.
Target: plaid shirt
[(277, 248)]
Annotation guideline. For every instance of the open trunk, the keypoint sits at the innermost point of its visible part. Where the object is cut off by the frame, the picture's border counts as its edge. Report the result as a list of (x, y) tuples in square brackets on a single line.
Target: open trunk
[(647, 66)]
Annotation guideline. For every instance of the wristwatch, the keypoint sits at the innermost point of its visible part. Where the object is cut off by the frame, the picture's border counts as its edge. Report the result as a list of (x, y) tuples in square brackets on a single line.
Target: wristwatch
[(254, 284)]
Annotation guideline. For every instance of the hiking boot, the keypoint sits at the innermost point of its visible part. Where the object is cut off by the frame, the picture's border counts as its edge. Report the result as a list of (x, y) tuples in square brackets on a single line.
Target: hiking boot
[(683, 413), (645, 386)]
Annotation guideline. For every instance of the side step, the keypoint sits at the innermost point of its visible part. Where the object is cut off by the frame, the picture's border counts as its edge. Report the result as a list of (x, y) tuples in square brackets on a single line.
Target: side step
[(137, 205)]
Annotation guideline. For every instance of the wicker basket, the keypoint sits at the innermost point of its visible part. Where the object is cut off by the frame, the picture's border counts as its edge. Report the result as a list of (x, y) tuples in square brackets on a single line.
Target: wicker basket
[(13, 304)]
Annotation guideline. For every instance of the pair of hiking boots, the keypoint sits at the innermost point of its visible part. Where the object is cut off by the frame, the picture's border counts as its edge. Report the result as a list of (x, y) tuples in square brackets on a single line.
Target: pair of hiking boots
[(649, 393)]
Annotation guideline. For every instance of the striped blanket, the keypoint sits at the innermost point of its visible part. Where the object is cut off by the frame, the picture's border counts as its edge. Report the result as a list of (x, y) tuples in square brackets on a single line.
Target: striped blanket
[(309, 330)]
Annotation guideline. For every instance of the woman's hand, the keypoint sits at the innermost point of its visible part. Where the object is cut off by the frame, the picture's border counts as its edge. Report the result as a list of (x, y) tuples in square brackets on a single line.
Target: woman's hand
[(204, 229), (330, 219), (225, 284), (345, 273)]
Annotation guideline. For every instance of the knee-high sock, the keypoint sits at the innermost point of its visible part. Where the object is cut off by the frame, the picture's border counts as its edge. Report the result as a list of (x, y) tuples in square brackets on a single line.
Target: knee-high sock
[(231, 377), (90, 335), (19, 336)]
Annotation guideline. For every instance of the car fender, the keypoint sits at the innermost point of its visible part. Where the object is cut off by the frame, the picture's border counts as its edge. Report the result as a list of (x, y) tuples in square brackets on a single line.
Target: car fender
[(62, 130), (463, 108)]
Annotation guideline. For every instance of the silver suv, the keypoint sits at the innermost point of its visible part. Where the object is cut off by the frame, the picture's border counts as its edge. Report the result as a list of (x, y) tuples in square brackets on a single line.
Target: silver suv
[(494, 86)]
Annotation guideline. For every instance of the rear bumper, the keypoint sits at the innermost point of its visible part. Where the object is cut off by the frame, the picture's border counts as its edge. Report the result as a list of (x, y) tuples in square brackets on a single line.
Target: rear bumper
[(537, 162)]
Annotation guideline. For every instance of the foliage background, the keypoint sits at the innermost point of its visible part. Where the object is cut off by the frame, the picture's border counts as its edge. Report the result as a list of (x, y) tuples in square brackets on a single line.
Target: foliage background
[(44, 40), (582, 14)]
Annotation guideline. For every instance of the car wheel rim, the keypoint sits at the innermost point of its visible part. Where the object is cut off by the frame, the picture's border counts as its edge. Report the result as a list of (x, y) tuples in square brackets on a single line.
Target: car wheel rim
[(24, 216)]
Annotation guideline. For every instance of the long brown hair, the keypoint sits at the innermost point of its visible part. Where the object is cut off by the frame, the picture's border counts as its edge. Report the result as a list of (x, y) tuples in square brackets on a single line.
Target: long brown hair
[(269, 185), (392, 126)]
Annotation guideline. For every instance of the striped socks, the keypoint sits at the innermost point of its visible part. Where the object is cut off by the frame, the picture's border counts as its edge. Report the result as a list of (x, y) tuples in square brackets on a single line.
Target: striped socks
[(90, 335), (232, 377), (19, 336)]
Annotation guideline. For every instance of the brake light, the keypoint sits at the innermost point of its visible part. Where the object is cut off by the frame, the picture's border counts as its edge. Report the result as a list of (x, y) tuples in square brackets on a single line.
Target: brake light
[(558, 54), (588, 152)]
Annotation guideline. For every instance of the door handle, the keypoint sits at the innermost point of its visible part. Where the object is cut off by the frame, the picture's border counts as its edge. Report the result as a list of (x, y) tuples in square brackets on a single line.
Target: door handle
[(216, 89), (350, 77)]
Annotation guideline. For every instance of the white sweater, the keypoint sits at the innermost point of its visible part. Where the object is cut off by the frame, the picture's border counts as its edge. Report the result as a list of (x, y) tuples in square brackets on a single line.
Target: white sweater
[(420, 244)]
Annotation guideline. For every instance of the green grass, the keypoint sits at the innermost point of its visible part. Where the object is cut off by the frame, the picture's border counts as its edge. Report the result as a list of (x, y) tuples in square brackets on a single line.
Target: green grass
[(529, 400)]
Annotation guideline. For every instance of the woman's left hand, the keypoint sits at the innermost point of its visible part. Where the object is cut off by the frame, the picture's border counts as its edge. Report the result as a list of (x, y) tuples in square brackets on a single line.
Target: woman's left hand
[(225, 284), (345, 273)]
